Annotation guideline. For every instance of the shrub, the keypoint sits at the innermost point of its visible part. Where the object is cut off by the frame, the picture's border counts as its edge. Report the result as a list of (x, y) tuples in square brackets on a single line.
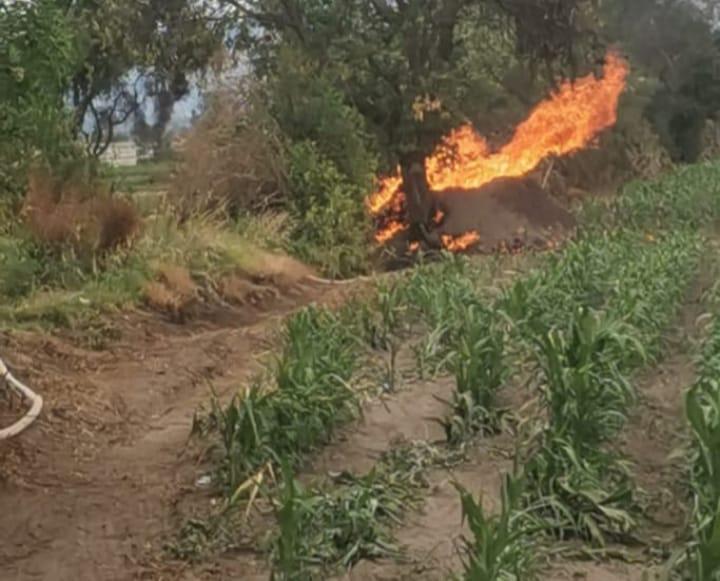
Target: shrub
[(332, 227), (234, 158), (37, 52), (307, 107), (69, 214)]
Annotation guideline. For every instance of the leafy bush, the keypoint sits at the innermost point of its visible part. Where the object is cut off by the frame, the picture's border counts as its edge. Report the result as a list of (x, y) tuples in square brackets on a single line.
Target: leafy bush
[(308, 108), (332, 226), (37, 55)]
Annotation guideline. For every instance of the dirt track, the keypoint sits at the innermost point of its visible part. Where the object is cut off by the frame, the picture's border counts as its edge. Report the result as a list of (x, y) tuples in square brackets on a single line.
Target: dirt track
[(87, 491)]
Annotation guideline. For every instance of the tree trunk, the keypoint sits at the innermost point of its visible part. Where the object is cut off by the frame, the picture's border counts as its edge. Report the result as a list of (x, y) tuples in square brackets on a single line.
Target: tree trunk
[(420, 203)]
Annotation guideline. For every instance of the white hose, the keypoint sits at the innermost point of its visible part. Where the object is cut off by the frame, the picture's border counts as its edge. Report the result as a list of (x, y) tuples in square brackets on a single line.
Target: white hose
[(27, 393)]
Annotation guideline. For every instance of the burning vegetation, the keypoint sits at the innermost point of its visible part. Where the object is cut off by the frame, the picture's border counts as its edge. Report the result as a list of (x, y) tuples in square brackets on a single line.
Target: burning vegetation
[(568, 121)]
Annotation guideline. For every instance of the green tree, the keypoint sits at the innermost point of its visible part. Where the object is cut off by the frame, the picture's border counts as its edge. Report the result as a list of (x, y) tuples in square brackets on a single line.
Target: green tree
[(675, 45), (403, 64), (133, 51), (37, 58)]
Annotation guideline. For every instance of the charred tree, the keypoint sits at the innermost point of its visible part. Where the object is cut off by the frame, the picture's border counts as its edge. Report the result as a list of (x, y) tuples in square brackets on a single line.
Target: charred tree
[(419, 200)]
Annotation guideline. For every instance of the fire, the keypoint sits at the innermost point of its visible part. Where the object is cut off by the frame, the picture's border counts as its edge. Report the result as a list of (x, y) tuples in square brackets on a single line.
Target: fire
[(460, 243), (391, 229), (568, 121), (389, 189), (565, 123)]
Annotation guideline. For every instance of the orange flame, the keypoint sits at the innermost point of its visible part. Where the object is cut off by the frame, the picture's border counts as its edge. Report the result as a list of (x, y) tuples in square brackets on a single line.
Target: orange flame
[(389, 231), (389, 188), (565, 123), (460, 243)]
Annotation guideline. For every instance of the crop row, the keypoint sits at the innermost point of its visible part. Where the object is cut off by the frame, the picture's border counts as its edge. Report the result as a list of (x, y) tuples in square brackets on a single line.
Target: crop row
[(587, 317)]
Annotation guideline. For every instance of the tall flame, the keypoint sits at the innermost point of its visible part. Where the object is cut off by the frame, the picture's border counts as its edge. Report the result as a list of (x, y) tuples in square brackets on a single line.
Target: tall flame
[(566, 122)]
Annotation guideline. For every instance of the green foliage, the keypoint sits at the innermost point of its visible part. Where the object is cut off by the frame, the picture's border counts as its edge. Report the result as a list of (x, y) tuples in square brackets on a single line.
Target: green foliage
[(477, 360), (308, 108), (500, 546), (689, 196), (405, 67), (587, 397), (702, 404), (309, 397), (136, 50), (584, 388), (337, 528), (37, 56), (330, 527), (684, 73), (332, 226)]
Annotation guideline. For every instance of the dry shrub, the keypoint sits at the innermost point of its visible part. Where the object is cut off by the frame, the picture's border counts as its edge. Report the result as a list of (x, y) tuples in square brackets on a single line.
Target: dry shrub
[(174, 292), (233, 159), (77, 215)]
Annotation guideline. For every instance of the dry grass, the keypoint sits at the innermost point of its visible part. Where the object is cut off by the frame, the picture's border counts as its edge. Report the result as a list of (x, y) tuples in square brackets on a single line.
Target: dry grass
[(233, 159), (174, 293), (84, 217)]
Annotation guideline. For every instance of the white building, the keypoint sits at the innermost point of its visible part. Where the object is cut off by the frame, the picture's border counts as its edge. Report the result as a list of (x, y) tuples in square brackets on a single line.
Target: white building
[(121, 154)]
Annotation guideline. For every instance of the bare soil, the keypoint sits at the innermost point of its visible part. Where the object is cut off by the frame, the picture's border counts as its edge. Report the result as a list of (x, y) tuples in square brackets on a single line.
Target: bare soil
[(88, 492), (105, 476), (506, 212)]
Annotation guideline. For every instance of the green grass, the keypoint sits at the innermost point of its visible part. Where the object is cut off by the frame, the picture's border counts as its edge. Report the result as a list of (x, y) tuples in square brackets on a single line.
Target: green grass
[(42, 287), (146, 175)]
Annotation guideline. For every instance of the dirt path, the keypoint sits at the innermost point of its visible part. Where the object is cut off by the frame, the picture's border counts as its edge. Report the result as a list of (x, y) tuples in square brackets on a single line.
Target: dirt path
[(85, 493)]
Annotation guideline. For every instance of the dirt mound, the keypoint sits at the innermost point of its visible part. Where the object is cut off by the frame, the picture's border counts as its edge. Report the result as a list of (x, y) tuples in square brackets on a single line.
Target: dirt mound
[(503, 210)]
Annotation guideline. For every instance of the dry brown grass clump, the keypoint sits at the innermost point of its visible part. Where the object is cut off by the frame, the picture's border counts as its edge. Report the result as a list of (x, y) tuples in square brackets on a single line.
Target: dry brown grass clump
[(174, 292), (78, 215), (233, 159)]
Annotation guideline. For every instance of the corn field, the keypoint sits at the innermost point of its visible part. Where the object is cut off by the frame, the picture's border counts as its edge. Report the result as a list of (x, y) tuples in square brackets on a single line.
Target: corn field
[(575, 329)]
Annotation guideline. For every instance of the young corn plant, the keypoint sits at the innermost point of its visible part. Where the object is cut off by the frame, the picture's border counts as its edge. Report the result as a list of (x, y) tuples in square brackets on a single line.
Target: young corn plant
[(703, 412), (702, 405), (586, 396), (499, 547), (477, 361), (309, 396), (330, 529)]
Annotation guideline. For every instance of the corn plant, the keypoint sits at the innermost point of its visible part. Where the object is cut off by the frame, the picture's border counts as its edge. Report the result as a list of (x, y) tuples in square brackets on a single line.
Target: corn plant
[(585, 391), (308, 398), (703, 412), (702, 405), (586, 396), (477, 360), (332, 528), (499, 547)]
